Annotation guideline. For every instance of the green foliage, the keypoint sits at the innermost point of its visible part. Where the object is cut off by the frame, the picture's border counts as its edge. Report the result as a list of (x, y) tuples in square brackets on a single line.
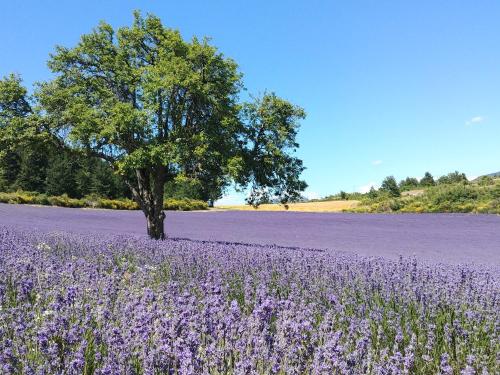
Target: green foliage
[(372, 193), (184, 205), (486, 181), (65, 201), (390, 186), (270, 127), (184, 187), (427, 180), (454, 193), (60, 176), (23, 197), (154, 106), (409, 183), (23, 159), (19, 198), (14, 101), (453, 178), (94, 176), (113, 204), (46, 171), (10, 166), (31, 161), (457, 197)]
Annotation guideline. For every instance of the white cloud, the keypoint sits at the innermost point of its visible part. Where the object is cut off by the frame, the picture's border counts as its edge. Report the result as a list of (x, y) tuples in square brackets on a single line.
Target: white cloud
[(376, 162), (475, 120), (366, 188)]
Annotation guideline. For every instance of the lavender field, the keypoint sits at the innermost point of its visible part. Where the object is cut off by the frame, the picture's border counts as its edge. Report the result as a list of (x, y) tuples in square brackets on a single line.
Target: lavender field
[(85, 292), (79, 304), (447, 238)]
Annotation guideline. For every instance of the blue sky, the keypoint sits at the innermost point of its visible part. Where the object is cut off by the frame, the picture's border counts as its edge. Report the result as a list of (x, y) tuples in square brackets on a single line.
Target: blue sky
[(390, 87)]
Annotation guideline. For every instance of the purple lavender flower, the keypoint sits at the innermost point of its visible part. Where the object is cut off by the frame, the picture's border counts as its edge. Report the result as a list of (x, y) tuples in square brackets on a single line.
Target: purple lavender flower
[(114, 305)]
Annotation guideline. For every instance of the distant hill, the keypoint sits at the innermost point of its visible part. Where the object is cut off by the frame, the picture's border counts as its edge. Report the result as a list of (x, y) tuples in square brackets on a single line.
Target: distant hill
[(496, 174), (493, 175), (479, 196)]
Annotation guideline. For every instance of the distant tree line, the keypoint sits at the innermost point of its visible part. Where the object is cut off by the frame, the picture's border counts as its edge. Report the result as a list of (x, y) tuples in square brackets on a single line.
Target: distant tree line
[(44, 169), (410, 183), (390, 187), (449, 193), (452, 192), (394, 189)]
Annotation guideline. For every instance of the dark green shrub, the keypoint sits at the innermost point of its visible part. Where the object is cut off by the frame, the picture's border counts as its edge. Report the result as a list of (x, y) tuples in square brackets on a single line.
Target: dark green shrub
[(65, 201), (395, 205), (94, 201), (486, 181), (184, 205), (454, 194), (115, 204)]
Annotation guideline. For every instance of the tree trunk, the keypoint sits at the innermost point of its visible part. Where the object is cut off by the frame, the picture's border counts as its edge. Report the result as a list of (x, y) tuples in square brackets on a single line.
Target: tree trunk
[(156, 229), (147, 191)]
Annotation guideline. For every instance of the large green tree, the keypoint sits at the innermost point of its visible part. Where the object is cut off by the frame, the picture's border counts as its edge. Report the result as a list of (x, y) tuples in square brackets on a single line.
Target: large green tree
[(155, 106)]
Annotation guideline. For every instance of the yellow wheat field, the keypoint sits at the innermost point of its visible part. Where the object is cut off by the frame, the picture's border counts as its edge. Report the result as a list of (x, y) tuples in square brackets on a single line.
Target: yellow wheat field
[(330, 206)]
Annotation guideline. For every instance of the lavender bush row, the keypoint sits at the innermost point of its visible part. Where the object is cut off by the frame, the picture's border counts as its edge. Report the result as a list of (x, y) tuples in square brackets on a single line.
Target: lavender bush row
[(75, 304)]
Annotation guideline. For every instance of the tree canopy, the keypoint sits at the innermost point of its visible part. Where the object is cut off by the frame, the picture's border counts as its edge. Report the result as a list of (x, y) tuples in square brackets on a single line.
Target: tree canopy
[(408, 183), (155, 107), (453, 178), (390, 186), (427, 180)]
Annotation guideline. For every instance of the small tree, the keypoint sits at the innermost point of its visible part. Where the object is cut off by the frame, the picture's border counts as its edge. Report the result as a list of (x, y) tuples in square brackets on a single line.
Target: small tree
[(427, 180), (373, 193), (408, 183), (390, 186), (453, 178)]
